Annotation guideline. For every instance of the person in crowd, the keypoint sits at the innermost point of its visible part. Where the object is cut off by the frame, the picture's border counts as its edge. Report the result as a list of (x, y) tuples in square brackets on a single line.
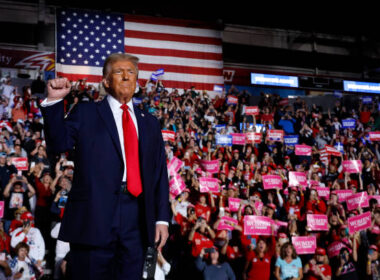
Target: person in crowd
[(213, 268), (347, 268), (288, 264), (318, 268), (22, 266)]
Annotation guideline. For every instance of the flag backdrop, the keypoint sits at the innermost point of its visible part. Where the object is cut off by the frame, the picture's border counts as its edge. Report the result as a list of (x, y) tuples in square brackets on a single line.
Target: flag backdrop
[(189, 52)]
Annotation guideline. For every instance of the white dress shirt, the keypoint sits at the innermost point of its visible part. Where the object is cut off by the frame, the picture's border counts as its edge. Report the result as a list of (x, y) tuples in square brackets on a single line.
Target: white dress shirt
[(117, 113)]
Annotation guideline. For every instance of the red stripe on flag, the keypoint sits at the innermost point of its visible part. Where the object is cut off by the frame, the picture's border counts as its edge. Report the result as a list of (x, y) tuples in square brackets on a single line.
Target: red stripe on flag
[(184, 85), (175, 53), (181, 69), (171, 22), (171, 37), (76, 77)]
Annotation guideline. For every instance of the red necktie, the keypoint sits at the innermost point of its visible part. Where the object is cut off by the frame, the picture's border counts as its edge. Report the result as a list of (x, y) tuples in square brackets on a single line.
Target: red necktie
[(131, 147)]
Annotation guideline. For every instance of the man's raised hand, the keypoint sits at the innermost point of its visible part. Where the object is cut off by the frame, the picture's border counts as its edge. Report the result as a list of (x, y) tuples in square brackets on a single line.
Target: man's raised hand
[(58, 88)]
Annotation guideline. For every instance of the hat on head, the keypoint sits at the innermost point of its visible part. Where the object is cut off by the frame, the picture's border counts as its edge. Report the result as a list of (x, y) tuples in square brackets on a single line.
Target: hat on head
[(282, 235), (374, 247), (27, 216), (236, 151), (186, 190), (272, 206), (320, 251), (334, 192), (30, 115), (257, 193), (2, 154)]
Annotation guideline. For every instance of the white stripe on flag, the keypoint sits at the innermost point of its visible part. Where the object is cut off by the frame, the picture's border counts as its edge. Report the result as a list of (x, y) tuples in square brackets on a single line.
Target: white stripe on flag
[(167, 60), (159, 28), (184, 77), (170, 45), (75, 69)]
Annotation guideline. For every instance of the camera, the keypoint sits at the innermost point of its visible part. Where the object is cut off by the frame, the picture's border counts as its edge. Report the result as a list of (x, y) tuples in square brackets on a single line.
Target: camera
[(150, 263)]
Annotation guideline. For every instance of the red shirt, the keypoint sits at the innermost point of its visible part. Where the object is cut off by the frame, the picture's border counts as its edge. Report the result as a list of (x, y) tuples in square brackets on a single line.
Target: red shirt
[(325, 268), (43, 194), (5, 242), (200, 241), (259, 267), (203, 211), (184, 223), (364, 117)]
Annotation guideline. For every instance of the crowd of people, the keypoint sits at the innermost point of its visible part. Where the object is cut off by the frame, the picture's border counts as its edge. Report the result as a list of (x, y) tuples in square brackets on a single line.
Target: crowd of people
[(199, 246)]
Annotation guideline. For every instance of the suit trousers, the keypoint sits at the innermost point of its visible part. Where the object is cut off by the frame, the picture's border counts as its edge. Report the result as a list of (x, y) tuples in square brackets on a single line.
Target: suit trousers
[(123, 259)]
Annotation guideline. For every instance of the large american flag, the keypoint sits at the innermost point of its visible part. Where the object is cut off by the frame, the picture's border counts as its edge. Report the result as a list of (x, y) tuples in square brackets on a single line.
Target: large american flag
[(189, 52)]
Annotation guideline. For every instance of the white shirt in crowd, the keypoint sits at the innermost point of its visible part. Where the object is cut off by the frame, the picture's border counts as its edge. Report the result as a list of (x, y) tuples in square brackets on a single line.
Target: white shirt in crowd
[(33, 238)]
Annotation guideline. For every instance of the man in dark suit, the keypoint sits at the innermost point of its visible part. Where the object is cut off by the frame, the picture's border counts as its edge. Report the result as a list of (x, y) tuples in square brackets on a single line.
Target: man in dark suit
[(118, 204)]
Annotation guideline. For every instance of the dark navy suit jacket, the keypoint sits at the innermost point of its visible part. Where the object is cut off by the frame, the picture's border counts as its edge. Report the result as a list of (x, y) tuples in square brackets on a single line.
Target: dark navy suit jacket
[(90, 130)]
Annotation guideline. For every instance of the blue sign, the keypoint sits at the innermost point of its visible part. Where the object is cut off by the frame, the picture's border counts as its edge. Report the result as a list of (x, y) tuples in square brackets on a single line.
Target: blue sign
[(339, 147), (367, 100), (224, 140), (361, 87), (338, 94), (349, 123), (243, 126), (137, 101), (219, 127), (274, 80), (291, 140)]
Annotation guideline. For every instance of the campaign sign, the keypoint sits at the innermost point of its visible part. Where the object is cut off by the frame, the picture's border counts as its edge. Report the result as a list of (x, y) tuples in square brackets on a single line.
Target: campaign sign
[(317, 222), (343, 194), (349, 123), (233, 204), (257, 225), (276, 135), (367, 100), (357, 200), (175, 165), (168, 135), (303, 150), (377, 197), (1, 209), (232, 100), (137, 101), (227, 223), (259, 206), (323, 192), (332, 151), (21, 163), (333, 249), (359, 222), (297, 179), (207, 184), (272, 182), (304, 244), (219, 127), (291, 140), (374, 135), (176, 185), (313, 183), (254, 137), (252, 110), (352, 166), (224, 140), (211, 166), (238, 138), (246, 126)]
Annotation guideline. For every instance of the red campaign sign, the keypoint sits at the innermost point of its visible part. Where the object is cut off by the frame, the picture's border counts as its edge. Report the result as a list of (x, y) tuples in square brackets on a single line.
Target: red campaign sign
[(352, 166), (42, 61), (175, 165), (317, 222), (227, 223), (272, 182), (304, 244), (168, 135), (343, 194), (257, 225), (297, 179), (357, 200), (238, 138), (211, 166), (252, 110), (21, 163), (232, 100), (330, 150), (323, 192), (176, 185), (333, 249), (374, 135), (276, 135), (234, 204), (1, 209), (254, 137), (303, 150), (359, 222), (207, 184)]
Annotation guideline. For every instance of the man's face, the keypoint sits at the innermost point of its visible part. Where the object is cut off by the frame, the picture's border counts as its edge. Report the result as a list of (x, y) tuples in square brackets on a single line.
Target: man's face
[(121, 80)]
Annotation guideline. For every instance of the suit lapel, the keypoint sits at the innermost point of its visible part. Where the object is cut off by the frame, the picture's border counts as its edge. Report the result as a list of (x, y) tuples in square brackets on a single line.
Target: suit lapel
[(140, 117), (109, 121)]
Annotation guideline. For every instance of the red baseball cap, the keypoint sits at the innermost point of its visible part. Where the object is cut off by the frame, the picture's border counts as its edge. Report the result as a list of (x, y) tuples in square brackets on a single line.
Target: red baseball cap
[(26, 216), (271, 205), (320, 251), (374, 247)]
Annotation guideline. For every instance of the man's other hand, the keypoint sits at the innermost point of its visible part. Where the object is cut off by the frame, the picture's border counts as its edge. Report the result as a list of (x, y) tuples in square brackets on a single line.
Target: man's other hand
[(162, 235)]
